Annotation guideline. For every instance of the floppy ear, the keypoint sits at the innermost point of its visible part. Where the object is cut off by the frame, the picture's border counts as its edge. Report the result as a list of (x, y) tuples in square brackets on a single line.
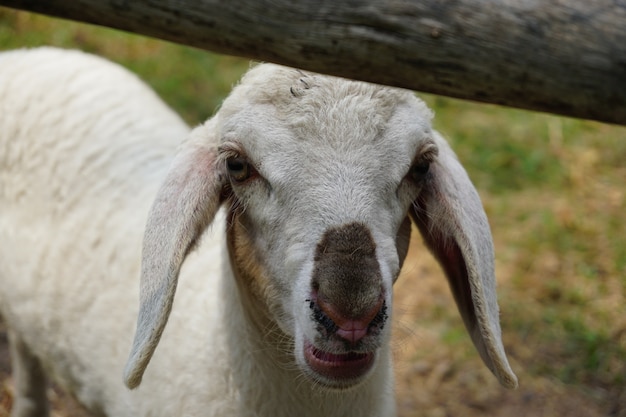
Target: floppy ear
[(454, 226), (184, 206)]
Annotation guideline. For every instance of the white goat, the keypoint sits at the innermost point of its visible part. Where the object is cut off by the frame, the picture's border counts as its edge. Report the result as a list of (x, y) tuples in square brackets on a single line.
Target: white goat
[(284, 305)]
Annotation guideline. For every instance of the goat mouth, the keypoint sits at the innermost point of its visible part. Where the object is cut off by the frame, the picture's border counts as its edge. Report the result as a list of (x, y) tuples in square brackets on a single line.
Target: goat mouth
[(338, 368)]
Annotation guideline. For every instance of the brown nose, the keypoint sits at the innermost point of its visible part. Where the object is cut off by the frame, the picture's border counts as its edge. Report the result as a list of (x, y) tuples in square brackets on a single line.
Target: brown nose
[(353, 329), (347, 282)]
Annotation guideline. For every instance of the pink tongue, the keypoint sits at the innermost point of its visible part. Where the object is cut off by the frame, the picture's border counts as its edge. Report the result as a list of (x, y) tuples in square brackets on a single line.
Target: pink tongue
[(338, 367)]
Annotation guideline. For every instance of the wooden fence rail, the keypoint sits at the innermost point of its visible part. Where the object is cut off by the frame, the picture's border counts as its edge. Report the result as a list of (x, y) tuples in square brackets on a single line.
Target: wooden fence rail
[(564, 56)]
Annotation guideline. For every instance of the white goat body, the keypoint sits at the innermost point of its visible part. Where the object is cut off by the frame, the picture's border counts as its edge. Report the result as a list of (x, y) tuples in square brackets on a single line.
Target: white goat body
[(282, 304)]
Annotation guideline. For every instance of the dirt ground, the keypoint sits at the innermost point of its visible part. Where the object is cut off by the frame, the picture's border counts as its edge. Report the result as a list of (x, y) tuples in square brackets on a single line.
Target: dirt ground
[(433, 379), (441, 380)]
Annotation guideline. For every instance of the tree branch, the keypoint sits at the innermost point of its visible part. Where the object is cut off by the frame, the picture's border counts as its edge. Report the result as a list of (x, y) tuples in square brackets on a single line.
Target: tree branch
[(566, 57)]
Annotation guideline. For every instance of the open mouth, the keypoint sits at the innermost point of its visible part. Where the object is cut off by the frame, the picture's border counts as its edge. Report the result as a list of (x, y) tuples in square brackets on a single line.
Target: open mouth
[(338, 367)]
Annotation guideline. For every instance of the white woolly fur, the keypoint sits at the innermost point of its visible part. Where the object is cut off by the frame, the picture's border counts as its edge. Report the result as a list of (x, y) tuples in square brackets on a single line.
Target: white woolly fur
[(91, 159)]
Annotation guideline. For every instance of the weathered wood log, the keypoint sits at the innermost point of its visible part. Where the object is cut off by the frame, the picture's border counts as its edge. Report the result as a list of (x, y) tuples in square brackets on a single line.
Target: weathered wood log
[(566, 56)]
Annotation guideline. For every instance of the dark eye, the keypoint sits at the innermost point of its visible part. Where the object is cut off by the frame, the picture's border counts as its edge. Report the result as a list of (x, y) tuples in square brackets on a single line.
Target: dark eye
[(238, 168), (419, 170)]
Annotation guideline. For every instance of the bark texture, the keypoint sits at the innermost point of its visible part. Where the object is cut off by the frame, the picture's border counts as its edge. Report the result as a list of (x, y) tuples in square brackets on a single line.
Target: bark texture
[(564, 56)]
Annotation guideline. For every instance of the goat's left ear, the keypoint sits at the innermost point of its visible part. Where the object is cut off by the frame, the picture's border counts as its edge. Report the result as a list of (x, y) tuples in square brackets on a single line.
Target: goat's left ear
[(184, 206), (454, 226)]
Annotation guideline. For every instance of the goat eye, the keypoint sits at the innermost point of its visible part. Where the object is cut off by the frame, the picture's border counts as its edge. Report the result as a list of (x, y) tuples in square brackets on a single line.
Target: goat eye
[(419, 170), (238, 168)]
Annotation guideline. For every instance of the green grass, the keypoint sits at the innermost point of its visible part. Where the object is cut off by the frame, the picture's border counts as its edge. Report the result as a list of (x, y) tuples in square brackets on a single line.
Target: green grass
[(554, 189)]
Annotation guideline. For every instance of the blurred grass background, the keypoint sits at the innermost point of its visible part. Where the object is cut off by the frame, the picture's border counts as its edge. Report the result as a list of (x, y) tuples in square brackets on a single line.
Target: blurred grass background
[(554, 190)]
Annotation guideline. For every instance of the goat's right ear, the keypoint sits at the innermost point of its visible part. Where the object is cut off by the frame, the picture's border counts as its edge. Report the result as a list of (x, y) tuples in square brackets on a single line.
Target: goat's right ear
[(185, 205)]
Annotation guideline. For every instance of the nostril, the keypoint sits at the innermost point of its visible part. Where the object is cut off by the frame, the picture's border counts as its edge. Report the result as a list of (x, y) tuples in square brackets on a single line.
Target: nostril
[(321, 318), (347, 327)]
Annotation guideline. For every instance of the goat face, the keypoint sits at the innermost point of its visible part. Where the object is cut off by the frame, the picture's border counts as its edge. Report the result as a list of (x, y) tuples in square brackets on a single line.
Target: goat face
[(321, 176), (319, 197)]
